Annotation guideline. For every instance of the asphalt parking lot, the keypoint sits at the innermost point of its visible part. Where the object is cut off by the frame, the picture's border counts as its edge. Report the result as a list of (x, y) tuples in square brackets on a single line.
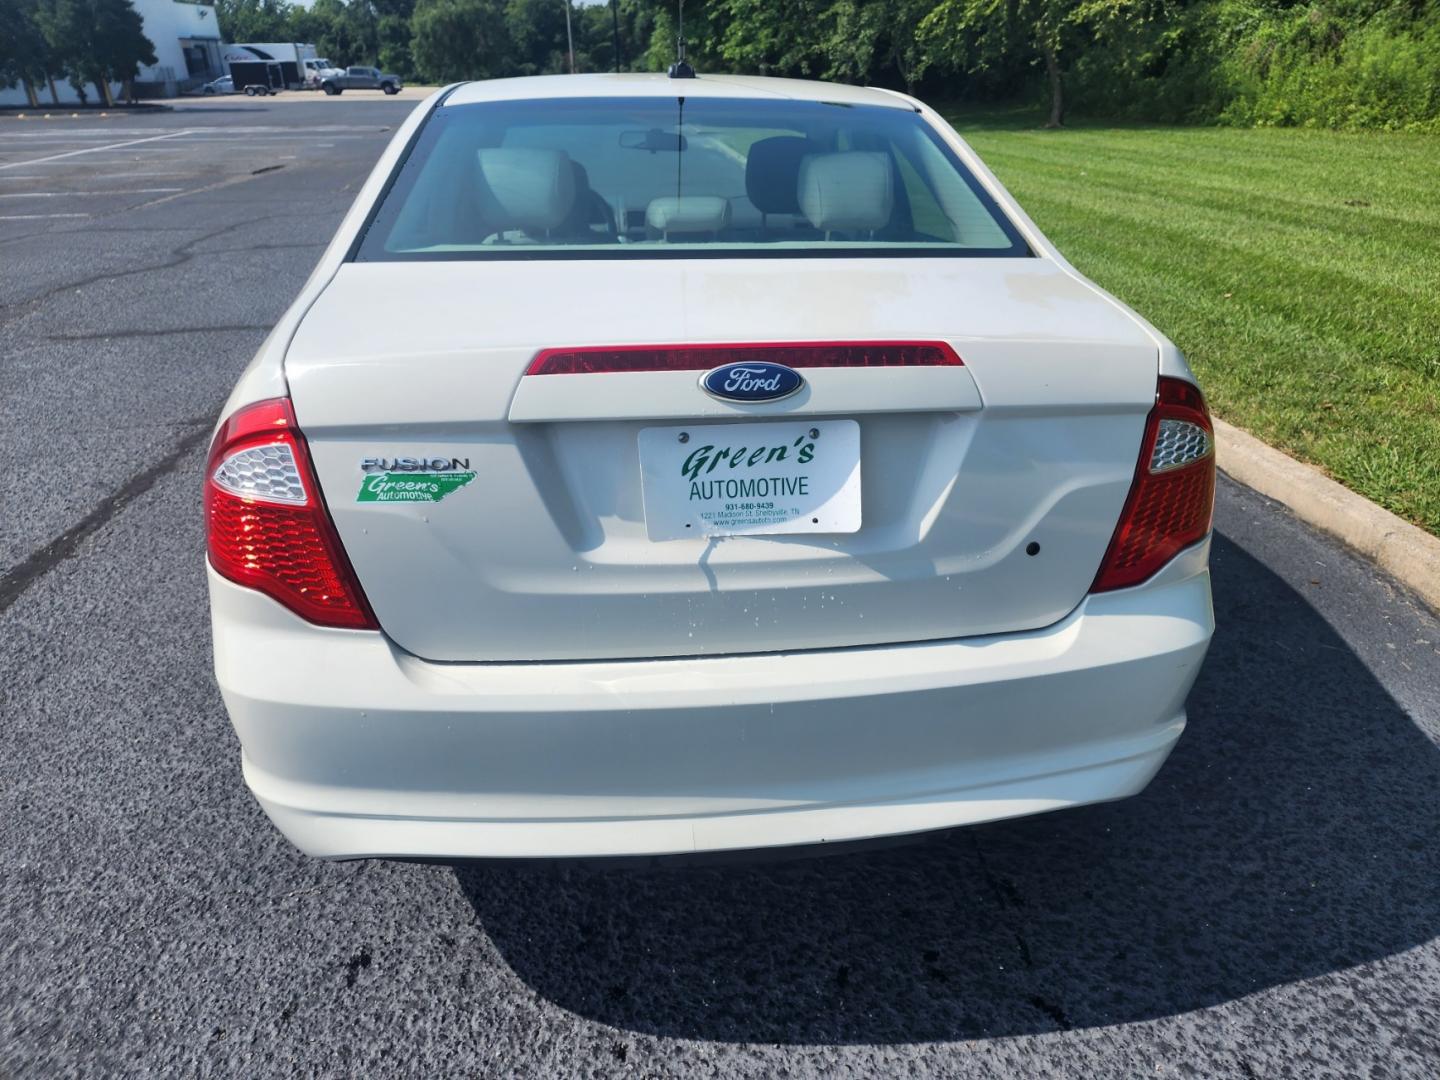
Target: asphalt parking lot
[(1269, 907)]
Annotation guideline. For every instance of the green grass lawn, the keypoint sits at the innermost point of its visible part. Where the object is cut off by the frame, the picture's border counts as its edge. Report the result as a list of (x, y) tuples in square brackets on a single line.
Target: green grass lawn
[(1298, 270)]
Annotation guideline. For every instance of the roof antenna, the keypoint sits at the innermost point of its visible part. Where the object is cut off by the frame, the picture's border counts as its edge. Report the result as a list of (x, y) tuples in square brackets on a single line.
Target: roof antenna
[(680, 69)]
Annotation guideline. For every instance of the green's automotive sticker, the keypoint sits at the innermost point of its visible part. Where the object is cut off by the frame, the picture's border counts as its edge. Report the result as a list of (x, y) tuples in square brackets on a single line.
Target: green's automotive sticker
[(409, 487)]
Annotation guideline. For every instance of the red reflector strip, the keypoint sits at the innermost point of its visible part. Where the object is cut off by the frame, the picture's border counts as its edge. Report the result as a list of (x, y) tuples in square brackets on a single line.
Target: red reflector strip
[(608, 359)]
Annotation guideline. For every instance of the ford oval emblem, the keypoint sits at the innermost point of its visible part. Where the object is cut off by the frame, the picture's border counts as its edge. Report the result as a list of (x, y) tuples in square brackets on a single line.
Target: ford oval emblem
[(758, 381)]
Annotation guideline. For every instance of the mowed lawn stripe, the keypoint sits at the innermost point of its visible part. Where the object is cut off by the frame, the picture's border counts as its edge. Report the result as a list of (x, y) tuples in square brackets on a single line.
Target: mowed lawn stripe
[(1299, 272), (1305, 265), (1378, 164), (1373, 218), (1325, 217)]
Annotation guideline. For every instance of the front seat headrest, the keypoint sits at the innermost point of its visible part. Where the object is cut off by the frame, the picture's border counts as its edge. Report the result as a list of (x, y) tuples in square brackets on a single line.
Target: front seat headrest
[(771, 169), (524, 189), (848, 191)]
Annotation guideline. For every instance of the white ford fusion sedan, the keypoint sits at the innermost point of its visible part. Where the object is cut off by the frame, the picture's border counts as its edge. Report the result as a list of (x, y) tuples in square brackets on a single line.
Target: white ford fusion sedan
[(664, 465)]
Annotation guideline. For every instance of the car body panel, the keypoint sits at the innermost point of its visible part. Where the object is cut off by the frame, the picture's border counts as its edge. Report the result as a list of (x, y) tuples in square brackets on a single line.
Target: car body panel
[(357, 749), (962, 468), (646, 84)]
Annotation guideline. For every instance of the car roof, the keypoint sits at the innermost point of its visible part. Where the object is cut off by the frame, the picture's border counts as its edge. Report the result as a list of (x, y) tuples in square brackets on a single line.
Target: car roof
[(656, 85)]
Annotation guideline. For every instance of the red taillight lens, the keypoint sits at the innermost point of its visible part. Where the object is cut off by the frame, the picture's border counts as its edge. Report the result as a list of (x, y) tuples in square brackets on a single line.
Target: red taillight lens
[(266, 525), (1173, 495), (601, 359)]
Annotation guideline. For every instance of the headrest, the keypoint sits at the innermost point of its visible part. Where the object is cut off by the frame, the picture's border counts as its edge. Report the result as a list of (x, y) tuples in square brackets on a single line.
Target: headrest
[(771, 169), (688, 213), (846, 191), (524, 189)]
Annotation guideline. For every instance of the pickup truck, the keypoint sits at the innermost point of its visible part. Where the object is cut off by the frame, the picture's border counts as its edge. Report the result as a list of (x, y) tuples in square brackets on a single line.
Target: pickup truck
[(360, 78)]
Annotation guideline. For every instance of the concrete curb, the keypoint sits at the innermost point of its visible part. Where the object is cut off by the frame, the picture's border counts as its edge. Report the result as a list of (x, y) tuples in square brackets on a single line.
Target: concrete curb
[(1402, 550)]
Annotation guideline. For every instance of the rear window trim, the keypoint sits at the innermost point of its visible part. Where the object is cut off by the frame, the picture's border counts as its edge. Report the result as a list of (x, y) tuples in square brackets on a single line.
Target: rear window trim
[(1024, 249), (629, 252), (353, 252)]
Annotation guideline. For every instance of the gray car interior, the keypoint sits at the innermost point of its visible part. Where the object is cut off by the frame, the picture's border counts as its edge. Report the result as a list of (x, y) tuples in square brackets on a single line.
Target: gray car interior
[(793, 188), (789, 175)]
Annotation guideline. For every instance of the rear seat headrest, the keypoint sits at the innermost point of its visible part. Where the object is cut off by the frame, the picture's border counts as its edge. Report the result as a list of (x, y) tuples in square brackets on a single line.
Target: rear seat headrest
[(771, 169), (688, 213), (849, 190), (524, 189)]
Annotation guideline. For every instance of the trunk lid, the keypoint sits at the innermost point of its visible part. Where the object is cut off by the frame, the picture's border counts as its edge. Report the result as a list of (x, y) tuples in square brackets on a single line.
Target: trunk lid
[(544, 553)]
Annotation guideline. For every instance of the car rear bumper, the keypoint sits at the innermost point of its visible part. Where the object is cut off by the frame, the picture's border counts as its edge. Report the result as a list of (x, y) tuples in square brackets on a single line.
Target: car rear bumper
[(355, 748)]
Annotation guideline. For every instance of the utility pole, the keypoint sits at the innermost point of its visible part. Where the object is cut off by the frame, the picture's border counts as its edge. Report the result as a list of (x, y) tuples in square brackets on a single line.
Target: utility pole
[(569, 37), (615, 30)]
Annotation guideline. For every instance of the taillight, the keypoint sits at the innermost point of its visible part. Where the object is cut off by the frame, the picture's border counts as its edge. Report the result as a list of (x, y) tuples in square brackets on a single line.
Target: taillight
[(1173, 495), (603, 359), (266, 525)]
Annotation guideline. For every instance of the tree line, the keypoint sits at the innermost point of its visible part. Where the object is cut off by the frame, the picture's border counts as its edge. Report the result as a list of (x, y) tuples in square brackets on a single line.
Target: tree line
[(1328, 63), (87, 42)]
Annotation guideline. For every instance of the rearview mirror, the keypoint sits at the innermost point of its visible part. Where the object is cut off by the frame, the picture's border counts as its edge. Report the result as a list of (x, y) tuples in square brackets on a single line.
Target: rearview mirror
[(653, 140)]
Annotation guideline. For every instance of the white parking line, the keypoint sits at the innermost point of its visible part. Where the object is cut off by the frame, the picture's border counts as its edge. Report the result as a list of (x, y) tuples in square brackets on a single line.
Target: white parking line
[(36, 217), (322, 129), (41, 142), (92, 150), (110, 158), (217, 138), (66, 132), (65, 194), (119, 175), (107, 134)]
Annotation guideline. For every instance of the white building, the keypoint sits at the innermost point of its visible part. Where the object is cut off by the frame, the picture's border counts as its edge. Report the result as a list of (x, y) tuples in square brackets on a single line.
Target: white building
[(186, 38)]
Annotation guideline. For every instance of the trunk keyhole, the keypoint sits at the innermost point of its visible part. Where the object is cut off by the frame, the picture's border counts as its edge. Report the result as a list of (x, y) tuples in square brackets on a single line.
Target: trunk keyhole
[(1032, 548)]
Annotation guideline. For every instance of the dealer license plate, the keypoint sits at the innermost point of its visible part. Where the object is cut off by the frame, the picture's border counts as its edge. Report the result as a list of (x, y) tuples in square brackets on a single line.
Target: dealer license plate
[(751, 479)]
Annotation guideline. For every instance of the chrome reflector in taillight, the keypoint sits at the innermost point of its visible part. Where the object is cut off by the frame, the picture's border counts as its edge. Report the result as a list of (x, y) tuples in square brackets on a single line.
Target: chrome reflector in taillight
[(1173, 494), (1178, 443), (262, 472), (266, 525)]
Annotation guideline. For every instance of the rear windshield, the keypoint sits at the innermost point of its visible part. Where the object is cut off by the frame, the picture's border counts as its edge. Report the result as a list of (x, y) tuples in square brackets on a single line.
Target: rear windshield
[(651, 177)]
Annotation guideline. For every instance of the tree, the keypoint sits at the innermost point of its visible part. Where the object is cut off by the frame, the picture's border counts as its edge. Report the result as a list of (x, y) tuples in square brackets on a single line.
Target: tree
[(24, 52), (68, 37), (392, 33), (346, 33), (254, 20), (862, 41), (773, 37), (598, 36), (867, 38), (705, 33), (95, 41), (120, 44), (536, 32), (458, 39), (976, 34)]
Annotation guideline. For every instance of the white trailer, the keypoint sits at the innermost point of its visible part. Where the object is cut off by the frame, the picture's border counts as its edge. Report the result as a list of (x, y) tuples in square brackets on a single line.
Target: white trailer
[(300, 64)]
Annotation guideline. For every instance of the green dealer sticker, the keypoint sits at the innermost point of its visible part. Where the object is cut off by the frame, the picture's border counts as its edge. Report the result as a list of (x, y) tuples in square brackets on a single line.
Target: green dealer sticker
[(411, 487)]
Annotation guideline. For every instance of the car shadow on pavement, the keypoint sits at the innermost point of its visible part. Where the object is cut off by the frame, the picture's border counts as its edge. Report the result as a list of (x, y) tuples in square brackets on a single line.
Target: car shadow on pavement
[(1290, 835)]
